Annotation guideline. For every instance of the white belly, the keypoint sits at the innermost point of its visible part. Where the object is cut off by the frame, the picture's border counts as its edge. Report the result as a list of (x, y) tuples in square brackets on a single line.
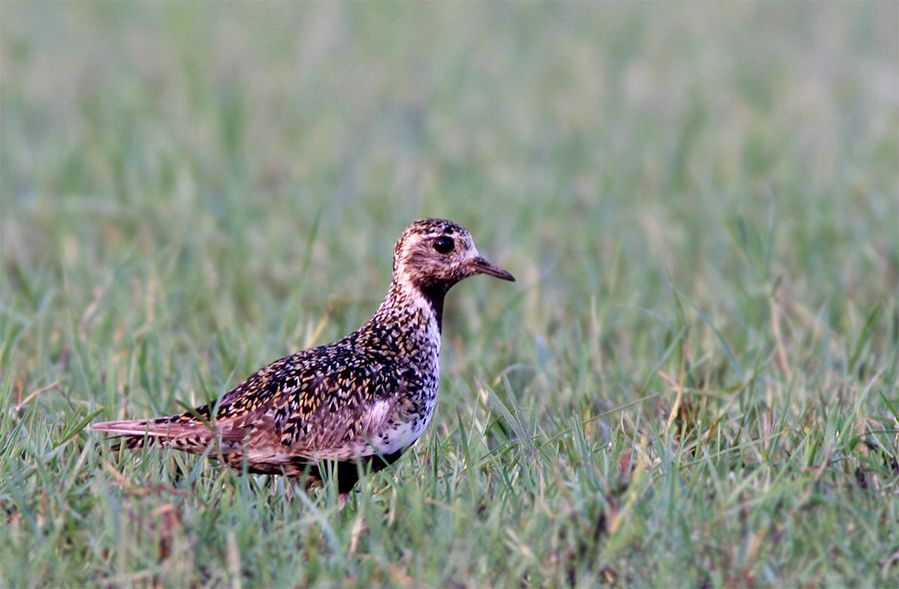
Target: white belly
[(391, 433)]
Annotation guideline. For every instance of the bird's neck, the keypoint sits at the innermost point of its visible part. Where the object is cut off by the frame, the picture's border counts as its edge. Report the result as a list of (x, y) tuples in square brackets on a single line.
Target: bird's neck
[(421, 303)]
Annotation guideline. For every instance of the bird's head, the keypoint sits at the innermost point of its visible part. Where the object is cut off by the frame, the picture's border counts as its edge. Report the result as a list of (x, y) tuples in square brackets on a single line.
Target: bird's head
[(435, 254)]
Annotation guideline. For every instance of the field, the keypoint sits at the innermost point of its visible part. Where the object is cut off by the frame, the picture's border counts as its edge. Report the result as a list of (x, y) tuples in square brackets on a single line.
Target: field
[(694, 382)]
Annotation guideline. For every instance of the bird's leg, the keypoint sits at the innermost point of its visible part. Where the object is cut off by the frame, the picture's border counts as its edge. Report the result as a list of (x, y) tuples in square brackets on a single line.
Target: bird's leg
[(288, 486)]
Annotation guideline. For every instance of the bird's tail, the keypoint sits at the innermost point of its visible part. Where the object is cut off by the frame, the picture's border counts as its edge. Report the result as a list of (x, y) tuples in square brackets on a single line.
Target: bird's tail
[(139, 433)]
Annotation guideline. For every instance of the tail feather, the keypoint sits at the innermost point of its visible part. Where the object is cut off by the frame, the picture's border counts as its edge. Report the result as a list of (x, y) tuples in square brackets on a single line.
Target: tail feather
[(160, 428), (138, 433)]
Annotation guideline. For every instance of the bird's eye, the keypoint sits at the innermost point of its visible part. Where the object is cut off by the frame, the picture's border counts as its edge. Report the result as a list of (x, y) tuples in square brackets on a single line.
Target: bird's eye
[(444, 244)]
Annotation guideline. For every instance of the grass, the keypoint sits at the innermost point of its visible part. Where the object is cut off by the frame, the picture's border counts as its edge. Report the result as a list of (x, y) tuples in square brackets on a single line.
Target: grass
[(695, 381)]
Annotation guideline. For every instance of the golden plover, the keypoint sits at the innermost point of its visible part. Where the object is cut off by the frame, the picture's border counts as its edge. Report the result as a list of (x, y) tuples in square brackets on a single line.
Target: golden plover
[(363, 399)]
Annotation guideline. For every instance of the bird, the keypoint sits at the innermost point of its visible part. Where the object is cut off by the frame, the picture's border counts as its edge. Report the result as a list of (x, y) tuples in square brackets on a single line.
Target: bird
[(345, 408)]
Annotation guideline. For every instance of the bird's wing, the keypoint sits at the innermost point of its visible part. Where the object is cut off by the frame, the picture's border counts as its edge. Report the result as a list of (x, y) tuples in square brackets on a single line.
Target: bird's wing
[(193, 430), (321, 403), (327, 404)]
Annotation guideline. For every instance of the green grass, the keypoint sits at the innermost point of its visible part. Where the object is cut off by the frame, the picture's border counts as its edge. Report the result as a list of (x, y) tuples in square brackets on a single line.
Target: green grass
[(695, 381)]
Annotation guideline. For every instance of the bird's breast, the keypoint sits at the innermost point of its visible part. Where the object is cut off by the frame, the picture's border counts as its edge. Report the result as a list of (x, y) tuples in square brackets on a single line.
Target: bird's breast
[(394, 421)]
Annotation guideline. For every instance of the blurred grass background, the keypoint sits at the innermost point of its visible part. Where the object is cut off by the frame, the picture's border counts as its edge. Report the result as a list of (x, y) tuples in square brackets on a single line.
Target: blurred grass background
[(694, 381)]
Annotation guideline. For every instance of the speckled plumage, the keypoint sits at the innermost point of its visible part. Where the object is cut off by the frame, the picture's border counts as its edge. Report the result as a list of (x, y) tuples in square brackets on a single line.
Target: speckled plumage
[(366, 397)]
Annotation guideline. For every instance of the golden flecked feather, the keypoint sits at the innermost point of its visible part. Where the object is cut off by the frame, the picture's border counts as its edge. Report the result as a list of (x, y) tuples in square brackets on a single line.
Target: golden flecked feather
[(366, 397)]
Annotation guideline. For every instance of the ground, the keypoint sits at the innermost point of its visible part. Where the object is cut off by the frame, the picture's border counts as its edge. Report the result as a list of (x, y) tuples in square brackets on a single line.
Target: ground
[(694, 382)]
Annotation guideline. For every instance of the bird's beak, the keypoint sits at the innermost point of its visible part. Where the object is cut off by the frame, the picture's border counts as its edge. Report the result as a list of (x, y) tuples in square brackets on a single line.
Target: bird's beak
[(482, 266)]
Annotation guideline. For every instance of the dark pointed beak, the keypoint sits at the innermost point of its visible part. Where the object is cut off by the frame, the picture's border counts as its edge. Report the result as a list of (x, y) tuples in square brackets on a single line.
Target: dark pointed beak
[(482, 266)]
